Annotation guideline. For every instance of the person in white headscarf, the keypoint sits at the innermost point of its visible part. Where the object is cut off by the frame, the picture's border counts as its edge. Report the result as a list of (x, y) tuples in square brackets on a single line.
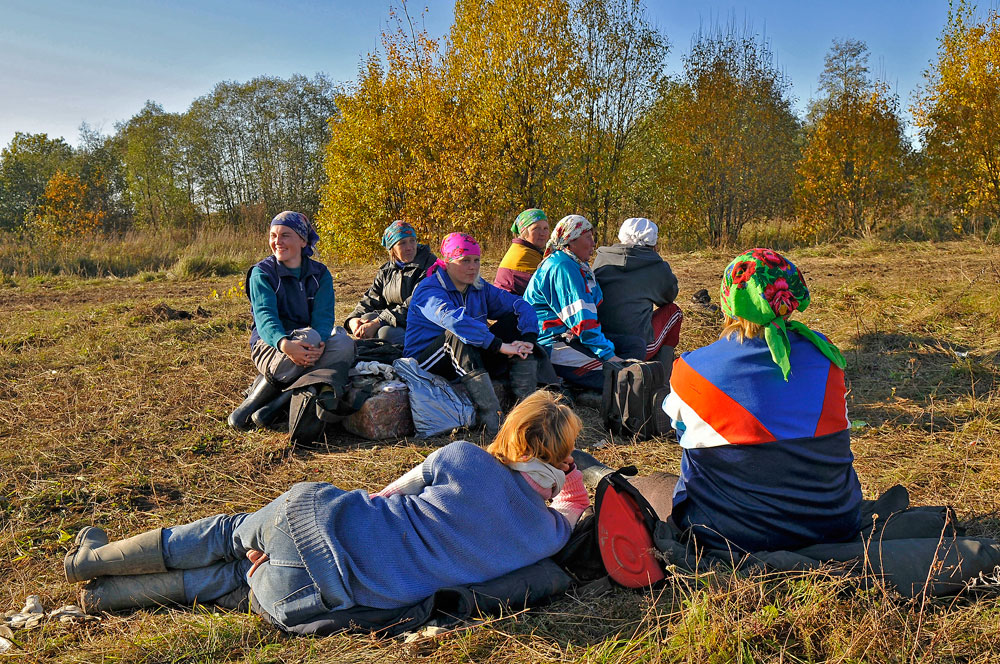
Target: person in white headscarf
[(639, 290)]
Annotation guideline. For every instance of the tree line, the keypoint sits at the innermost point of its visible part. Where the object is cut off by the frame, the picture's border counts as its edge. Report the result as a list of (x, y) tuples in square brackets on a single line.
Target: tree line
[(560, 104), (236, 154)]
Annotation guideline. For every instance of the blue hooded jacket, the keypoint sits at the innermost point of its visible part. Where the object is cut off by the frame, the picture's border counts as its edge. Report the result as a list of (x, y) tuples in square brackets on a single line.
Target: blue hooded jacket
[(437, 305)]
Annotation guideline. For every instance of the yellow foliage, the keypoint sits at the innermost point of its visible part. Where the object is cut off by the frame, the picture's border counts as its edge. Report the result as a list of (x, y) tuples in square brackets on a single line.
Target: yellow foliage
[(958, 113), (852, 171), (63, 211)]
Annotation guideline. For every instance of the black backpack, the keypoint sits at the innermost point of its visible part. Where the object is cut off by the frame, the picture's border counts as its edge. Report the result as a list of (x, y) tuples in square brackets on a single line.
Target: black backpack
[(316, 402), (632, 400)]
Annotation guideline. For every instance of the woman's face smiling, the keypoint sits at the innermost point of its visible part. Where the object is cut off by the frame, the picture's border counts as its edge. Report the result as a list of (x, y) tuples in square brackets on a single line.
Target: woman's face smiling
[(286, 245), (405, 250), (463, 271)]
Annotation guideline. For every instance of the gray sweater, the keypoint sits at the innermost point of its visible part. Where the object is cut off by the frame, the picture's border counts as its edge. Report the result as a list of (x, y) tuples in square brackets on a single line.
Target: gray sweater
[(634, 279)]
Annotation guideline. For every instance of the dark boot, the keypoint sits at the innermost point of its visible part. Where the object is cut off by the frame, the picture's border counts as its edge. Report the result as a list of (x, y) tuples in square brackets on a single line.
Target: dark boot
[(665, 356), (116, 593), (523, 376), (480, 387), (262, 392), (263, 417), (93, 556), (593, 471)]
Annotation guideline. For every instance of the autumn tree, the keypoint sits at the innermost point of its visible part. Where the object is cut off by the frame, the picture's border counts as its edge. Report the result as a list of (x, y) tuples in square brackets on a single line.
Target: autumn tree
[(621, 57), (722, 140), (380, 142), (958, 113), (852, 173), (511, 69), (26, 166), (63, 209)]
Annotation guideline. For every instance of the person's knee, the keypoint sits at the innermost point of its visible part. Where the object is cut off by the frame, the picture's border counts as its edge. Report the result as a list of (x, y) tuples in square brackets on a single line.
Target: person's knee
[(340, 344)]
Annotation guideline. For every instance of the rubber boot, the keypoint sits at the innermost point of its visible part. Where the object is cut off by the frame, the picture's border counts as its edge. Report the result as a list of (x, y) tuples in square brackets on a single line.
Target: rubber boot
[(480, 387), (263, 417), (665, 356), (115, 593), (93, 556), (262, 393), (523, 377), (593, 471)]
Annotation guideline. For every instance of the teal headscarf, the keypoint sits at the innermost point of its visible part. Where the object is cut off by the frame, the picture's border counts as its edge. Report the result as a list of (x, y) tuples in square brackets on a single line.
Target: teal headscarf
[(763, 287)]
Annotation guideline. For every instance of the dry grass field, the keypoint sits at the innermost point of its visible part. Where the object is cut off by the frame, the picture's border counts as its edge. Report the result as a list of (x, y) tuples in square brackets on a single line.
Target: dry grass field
[(114, 394)]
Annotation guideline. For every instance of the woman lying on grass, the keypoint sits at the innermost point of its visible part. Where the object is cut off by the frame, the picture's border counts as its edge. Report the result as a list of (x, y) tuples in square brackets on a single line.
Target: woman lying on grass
[(465, 515), (762, 417)]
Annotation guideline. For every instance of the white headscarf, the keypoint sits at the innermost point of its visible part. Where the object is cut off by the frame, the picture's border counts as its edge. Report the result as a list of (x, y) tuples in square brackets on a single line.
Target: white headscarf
[(638, 231)]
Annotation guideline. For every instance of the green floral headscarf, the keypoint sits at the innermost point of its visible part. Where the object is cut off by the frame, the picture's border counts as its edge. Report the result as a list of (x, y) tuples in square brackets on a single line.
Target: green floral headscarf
[(527, 218), (763, 287)]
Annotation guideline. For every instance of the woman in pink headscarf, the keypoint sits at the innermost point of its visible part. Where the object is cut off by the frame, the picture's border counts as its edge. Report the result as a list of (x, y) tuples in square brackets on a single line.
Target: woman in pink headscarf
[(447, 330)]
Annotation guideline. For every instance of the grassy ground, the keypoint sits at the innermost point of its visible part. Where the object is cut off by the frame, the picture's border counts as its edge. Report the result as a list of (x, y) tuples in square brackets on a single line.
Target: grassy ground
[(114, 393)]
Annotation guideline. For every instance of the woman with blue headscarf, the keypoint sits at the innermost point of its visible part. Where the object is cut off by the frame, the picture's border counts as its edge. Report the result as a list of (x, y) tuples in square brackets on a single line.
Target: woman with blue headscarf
[(292, 300), (381, 313)]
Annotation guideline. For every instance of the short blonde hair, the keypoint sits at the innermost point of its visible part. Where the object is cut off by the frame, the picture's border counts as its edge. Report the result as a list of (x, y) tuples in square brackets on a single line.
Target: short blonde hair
[(542, 426), (741, 327)]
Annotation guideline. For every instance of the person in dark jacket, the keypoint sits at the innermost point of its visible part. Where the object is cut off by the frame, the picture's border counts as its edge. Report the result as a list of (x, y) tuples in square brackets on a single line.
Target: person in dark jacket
[(447, 329), (292, 300), (531, 232), (639, 290), (381, 313)]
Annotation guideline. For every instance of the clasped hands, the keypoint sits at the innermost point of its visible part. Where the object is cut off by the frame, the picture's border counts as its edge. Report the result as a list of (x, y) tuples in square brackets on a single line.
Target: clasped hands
[(300, 352), (364, 329), (521, 349)]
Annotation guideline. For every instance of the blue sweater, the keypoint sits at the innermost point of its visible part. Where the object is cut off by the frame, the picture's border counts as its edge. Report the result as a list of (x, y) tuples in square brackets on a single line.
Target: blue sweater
[(767, 464), (475, 520), (437, 305)]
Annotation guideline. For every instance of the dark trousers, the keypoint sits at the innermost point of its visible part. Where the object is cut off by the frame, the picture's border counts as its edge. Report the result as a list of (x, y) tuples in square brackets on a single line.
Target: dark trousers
[(580, 366)]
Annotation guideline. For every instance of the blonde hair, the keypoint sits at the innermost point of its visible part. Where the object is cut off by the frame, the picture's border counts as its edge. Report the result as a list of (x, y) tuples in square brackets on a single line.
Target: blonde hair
[(741, 327), (542, 426)]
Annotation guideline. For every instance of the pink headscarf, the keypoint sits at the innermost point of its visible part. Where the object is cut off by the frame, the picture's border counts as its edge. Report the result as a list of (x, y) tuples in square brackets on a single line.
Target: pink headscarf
[(453, 247)]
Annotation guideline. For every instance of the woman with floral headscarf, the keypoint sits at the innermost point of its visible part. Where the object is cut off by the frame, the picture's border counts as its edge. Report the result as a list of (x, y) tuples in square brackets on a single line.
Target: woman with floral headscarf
[(447, 329), (531, 232), (761, 416), (291, 297), (565, 296), (381, 313), (639, 290)]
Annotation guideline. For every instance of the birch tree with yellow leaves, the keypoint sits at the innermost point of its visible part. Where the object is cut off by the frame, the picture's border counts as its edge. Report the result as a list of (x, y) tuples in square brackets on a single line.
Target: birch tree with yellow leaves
[(958, 113), (852, 174)]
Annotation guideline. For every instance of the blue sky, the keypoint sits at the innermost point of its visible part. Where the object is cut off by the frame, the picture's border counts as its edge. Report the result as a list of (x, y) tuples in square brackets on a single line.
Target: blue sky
[(67, 61)]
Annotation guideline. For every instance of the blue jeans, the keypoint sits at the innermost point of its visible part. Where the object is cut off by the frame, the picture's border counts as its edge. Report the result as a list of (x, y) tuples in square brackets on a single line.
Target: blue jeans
[(212, 552)]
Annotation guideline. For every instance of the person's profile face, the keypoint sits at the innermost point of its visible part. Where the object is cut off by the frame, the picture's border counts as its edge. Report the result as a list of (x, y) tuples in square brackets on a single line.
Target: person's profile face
[(583, 246)]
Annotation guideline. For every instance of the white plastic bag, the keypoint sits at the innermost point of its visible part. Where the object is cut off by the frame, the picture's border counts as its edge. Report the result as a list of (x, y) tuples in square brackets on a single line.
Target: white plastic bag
[(436, 406)]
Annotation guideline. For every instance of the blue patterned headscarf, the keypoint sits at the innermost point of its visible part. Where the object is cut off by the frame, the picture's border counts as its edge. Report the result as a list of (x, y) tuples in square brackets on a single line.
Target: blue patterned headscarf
[(299, 223), (395, 232)]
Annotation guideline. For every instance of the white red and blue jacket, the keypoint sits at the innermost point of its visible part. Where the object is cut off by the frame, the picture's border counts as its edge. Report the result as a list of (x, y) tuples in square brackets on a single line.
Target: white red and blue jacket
[(437, 305), (565, 302), (767, 464)]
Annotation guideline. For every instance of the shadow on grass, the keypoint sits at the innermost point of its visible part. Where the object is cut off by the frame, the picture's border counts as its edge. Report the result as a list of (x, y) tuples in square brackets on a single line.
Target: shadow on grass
[(917, 380)]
